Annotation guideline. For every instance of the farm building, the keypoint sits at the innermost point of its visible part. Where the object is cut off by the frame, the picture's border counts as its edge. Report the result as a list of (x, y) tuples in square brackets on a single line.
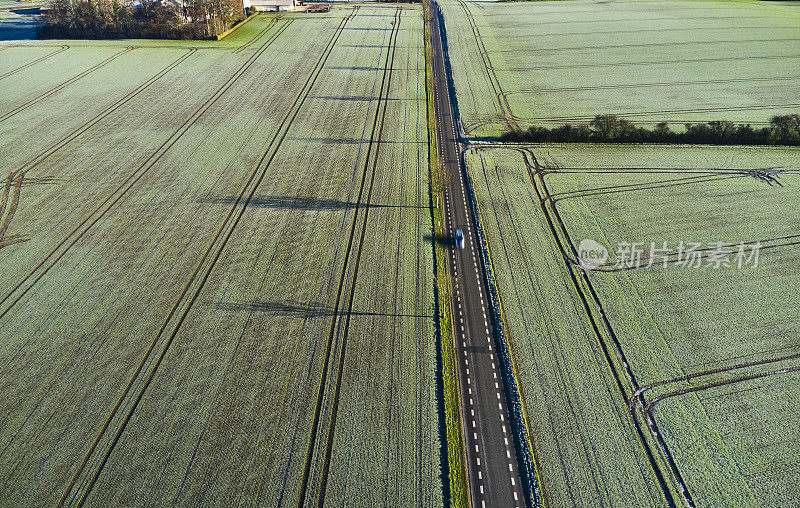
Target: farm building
[(271, 5)]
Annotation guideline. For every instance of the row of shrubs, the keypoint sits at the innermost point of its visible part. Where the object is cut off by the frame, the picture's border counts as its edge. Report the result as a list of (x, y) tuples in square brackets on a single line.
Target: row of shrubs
[(782, 130), (113, 19)]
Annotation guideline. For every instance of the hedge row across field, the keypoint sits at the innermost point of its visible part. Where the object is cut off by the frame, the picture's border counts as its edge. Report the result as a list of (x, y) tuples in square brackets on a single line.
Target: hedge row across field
[(782, 130), (114, 19)]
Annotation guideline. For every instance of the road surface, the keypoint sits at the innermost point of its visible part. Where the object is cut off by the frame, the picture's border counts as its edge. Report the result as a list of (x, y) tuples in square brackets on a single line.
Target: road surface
[(492, 467)]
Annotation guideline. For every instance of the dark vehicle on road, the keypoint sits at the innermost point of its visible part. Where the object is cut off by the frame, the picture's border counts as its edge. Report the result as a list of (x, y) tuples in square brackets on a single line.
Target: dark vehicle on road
[(459, 239)]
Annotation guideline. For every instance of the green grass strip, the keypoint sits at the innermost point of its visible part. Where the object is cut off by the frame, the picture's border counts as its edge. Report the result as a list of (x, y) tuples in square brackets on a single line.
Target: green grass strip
[(235, 27)]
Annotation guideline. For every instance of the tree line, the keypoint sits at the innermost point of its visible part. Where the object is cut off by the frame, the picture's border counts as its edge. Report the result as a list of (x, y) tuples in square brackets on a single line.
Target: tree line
[(152, 19), (782, 130)]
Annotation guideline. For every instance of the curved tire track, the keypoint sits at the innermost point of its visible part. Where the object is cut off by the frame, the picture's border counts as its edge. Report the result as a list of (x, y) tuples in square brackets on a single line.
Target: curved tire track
[(553, 219)]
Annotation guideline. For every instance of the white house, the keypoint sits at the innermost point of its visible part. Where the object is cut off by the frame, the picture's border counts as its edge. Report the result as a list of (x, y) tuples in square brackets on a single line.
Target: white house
[(271, 5)]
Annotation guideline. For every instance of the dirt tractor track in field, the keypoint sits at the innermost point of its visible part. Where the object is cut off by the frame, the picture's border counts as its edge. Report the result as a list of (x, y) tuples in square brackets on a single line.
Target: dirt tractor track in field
[(11, 190), (690, 383), (648, 404), (624, 86), (689, 377), (12, 186), (258, 36), (85, 478), (579, 281), (34, 62), (44, 95), (64, 141), (52, 257), (500, 94), (373, 149), (64, 84), (702, 176), (38, 271)]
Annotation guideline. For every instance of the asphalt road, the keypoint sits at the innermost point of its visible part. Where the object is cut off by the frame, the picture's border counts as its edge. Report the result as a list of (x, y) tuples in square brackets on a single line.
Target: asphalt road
[(492, 467)]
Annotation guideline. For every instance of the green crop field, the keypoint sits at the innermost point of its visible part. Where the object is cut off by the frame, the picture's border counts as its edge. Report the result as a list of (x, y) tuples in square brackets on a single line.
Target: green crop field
[(551, 63), (703, 360), (215, 267)]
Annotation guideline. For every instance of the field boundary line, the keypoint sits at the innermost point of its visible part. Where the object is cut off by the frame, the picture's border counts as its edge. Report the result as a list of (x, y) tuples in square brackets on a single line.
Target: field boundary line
[(64, 84), (235, 27), (128, 183), (34, 62)]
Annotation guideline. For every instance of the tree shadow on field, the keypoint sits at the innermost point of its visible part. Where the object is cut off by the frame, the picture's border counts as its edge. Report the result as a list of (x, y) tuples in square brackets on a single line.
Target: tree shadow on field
[(370, 69), (299, 309), (284, 202), (366, 29), (350, 141), (297, 203), (442, 240), (352, 98)]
